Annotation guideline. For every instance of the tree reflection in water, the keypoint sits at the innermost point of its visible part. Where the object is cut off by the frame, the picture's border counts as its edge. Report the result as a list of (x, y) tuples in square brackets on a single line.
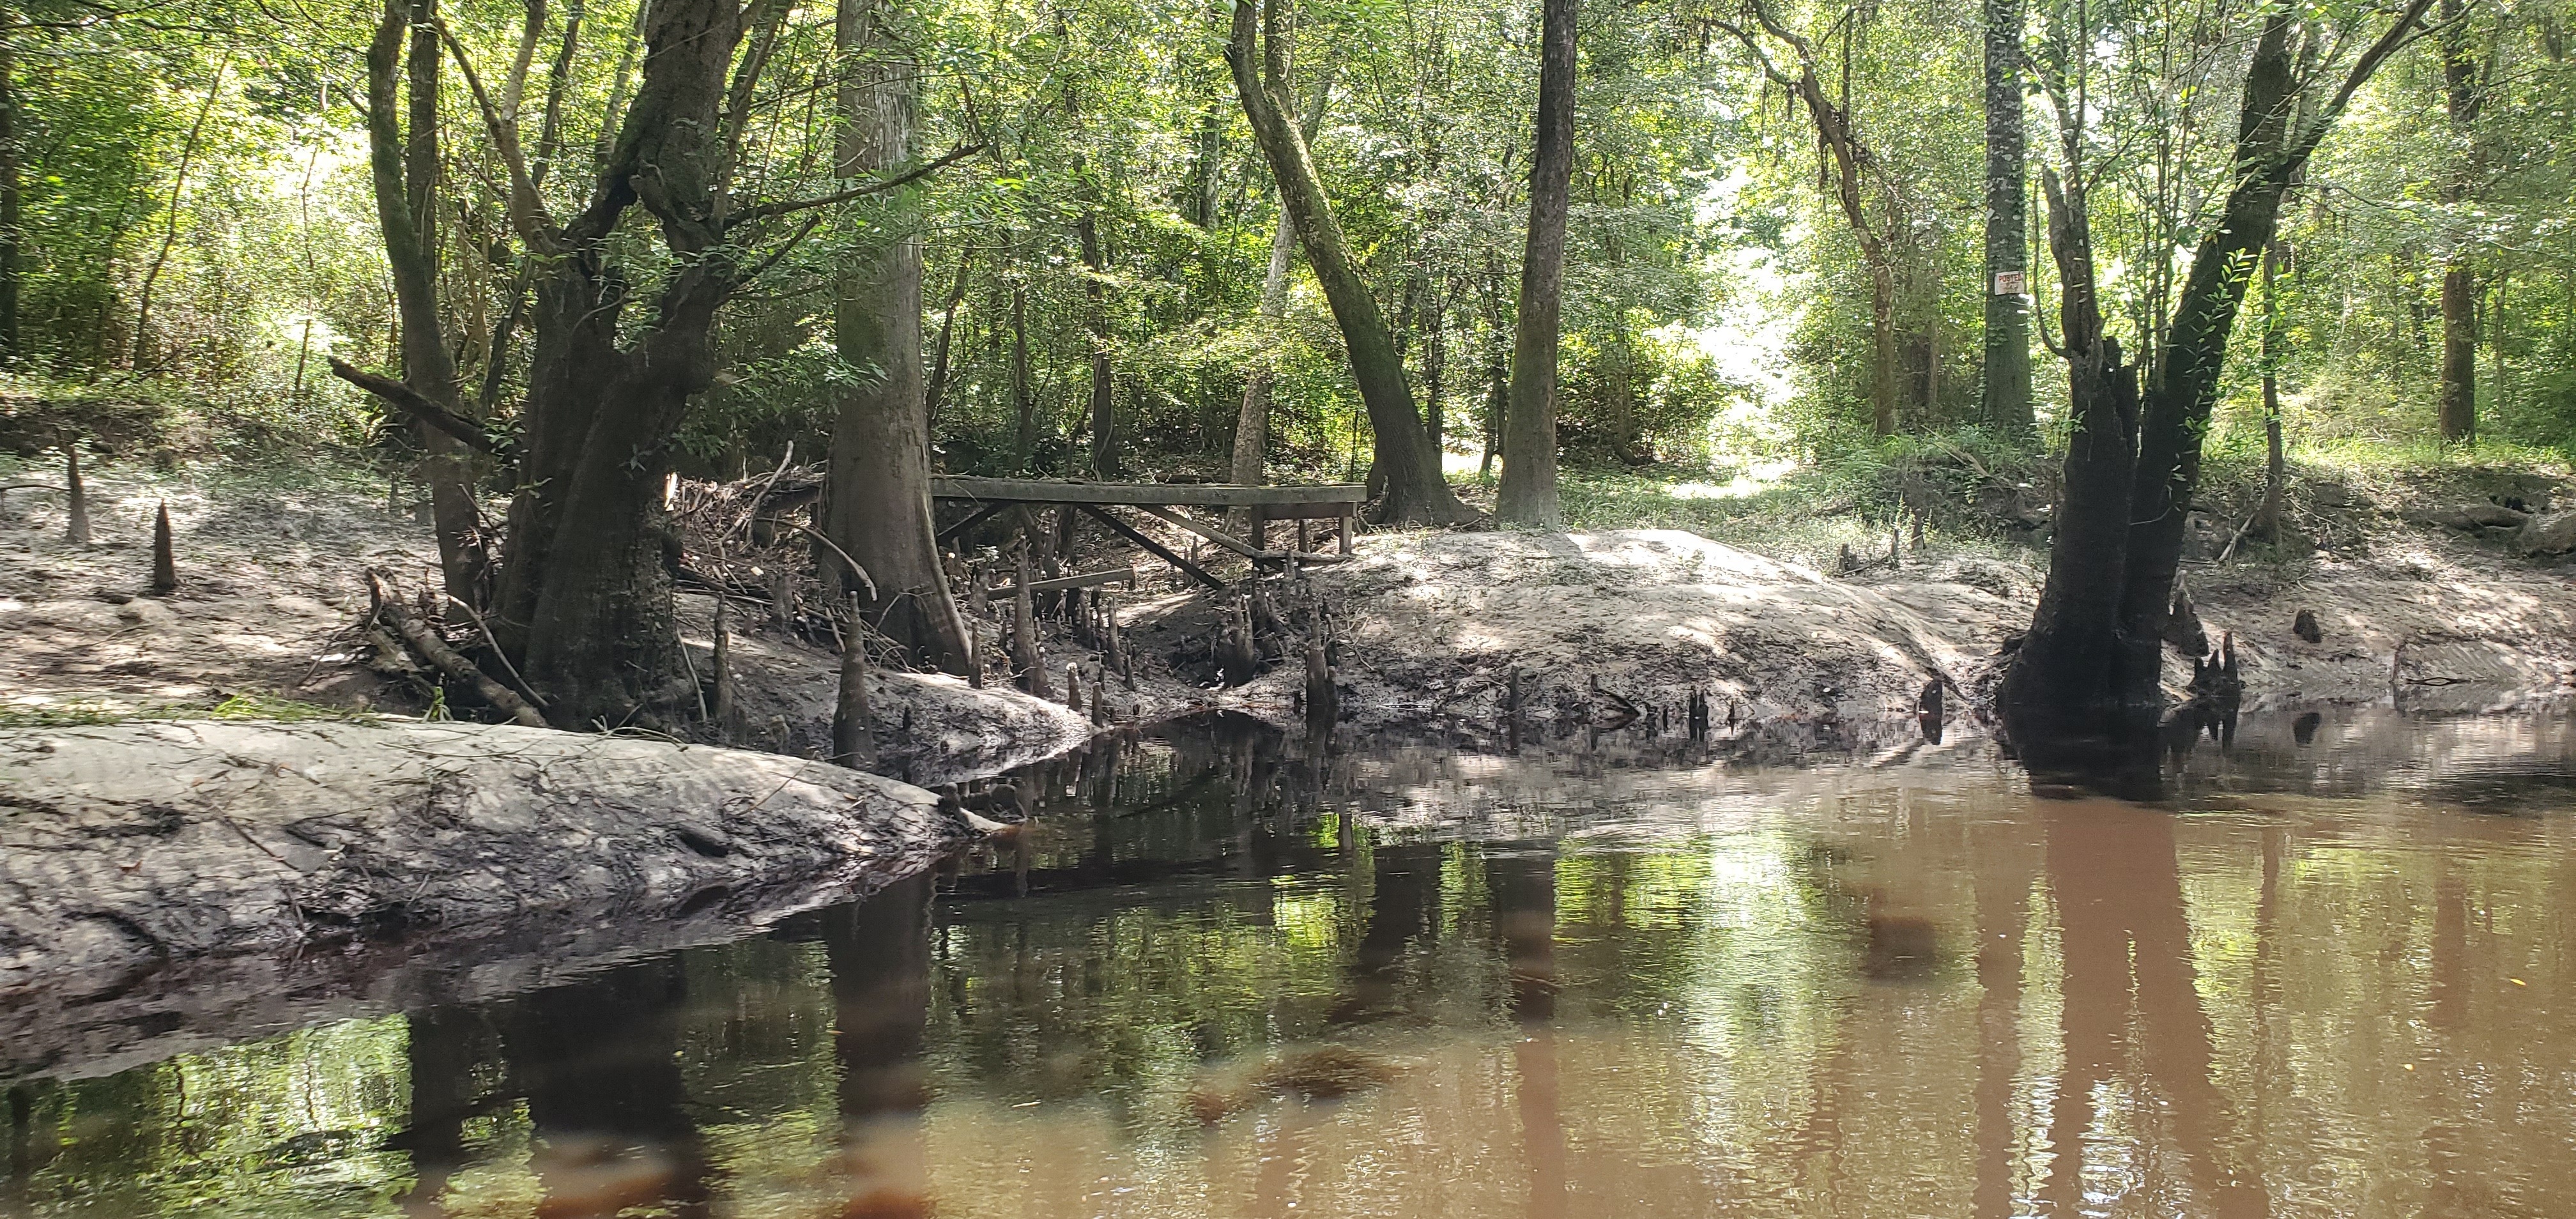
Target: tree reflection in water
[(1600, 988)]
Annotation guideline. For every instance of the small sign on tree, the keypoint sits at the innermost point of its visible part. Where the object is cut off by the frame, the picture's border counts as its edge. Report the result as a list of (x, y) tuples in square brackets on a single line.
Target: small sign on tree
[(2010, 283)]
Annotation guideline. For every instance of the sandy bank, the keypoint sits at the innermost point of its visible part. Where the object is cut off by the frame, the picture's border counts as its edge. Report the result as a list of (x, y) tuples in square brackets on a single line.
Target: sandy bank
[(1432, 625), (272, 590), (125, 848)]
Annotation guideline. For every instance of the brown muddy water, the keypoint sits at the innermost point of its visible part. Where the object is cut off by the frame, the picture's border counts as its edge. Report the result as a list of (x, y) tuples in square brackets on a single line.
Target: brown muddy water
[(2334, 973)]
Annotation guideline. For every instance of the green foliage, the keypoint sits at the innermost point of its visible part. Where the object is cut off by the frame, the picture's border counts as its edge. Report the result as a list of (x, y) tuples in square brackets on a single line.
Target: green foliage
[(1717, 306)]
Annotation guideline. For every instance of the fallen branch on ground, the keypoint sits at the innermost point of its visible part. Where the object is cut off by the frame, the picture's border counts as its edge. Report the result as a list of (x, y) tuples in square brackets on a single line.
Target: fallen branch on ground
[(447, 660)]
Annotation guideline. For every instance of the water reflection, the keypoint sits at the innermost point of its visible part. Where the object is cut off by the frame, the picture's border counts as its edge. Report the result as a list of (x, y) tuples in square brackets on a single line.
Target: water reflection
[(2326, 977)]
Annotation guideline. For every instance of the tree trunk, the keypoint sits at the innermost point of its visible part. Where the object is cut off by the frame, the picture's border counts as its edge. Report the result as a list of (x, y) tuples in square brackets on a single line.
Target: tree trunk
[(938, 389), (1882, 337), (2276, 466), (1024, 404), (404, 171), (1528, 492), (1104, 432), (170, 230), (2458, 395), (9, 198), (585, 591), (1247, 466), (1252, 422), (2092, 661), (2175, 406), (878, 497), (1416, 491), (2076, 665), (1435, 368), (2006, 378)]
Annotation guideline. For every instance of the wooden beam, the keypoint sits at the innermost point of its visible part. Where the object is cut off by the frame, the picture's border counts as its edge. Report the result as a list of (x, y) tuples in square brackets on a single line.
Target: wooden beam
[(1311, 510), (1210, 532), (972, 519), (1157, 549), (1060, 583), (1192, 495)]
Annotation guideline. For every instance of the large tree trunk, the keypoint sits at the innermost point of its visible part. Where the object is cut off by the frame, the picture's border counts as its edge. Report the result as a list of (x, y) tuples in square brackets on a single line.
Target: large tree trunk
[(2006, 383), (2458, 397), (2077, 666), (2175, 405), (877, 504), (405, 168), (1252, 421), (2092, 661), (1416, 492), (1528, 492), (585, 590)]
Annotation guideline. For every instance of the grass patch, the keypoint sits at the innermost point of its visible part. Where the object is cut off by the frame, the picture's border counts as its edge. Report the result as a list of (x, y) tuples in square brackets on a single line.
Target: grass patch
[(89, 713), (284, 710), (1806, 513)]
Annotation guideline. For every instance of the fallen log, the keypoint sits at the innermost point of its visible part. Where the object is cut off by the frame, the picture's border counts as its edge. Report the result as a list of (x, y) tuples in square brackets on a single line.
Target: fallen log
[(1061, 583), (429, 647)]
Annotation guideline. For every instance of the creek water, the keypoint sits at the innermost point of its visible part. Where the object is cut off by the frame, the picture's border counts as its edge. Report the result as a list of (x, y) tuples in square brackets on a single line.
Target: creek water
[(1226, 974)]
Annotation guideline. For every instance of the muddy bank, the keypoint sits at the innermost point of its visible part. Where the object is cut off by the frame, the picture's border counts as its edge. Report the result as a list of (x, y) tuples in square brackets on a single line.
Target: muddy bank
[(1432, 625), (129, 848), (931, 728)]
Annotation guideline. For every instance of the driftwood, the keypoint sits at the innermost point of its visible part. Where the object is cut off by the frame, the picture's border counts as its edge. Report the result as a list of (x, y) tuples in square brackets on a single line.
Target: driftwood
[(417, 405), (426, 644)]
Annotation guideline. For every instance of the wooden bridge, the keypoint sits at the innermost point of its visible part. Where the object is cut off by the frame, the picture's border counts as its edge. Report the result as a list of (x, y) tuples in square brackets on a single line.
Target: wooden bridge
[(1336, 502)]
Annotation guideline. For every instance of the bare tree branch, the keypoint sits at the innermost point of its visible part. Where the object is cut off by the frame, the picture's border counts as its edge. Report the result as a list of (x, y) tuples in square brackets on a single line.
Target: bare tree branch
[(527, 209), (2406, 29), (418, 405), (769, 211)]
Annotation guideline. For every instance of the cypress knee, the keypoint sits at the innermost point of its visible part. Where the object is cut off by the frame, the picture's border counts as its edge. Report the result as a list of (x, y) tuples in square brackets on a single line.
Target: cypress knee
[(165, 564), (853, 737), (76, 513)]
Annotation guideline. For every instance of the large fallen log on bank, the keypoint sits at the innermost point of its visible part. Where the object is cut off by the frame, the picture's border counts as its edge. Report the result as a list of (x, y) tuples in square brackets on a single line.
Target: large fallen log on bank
[(125, 848)]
